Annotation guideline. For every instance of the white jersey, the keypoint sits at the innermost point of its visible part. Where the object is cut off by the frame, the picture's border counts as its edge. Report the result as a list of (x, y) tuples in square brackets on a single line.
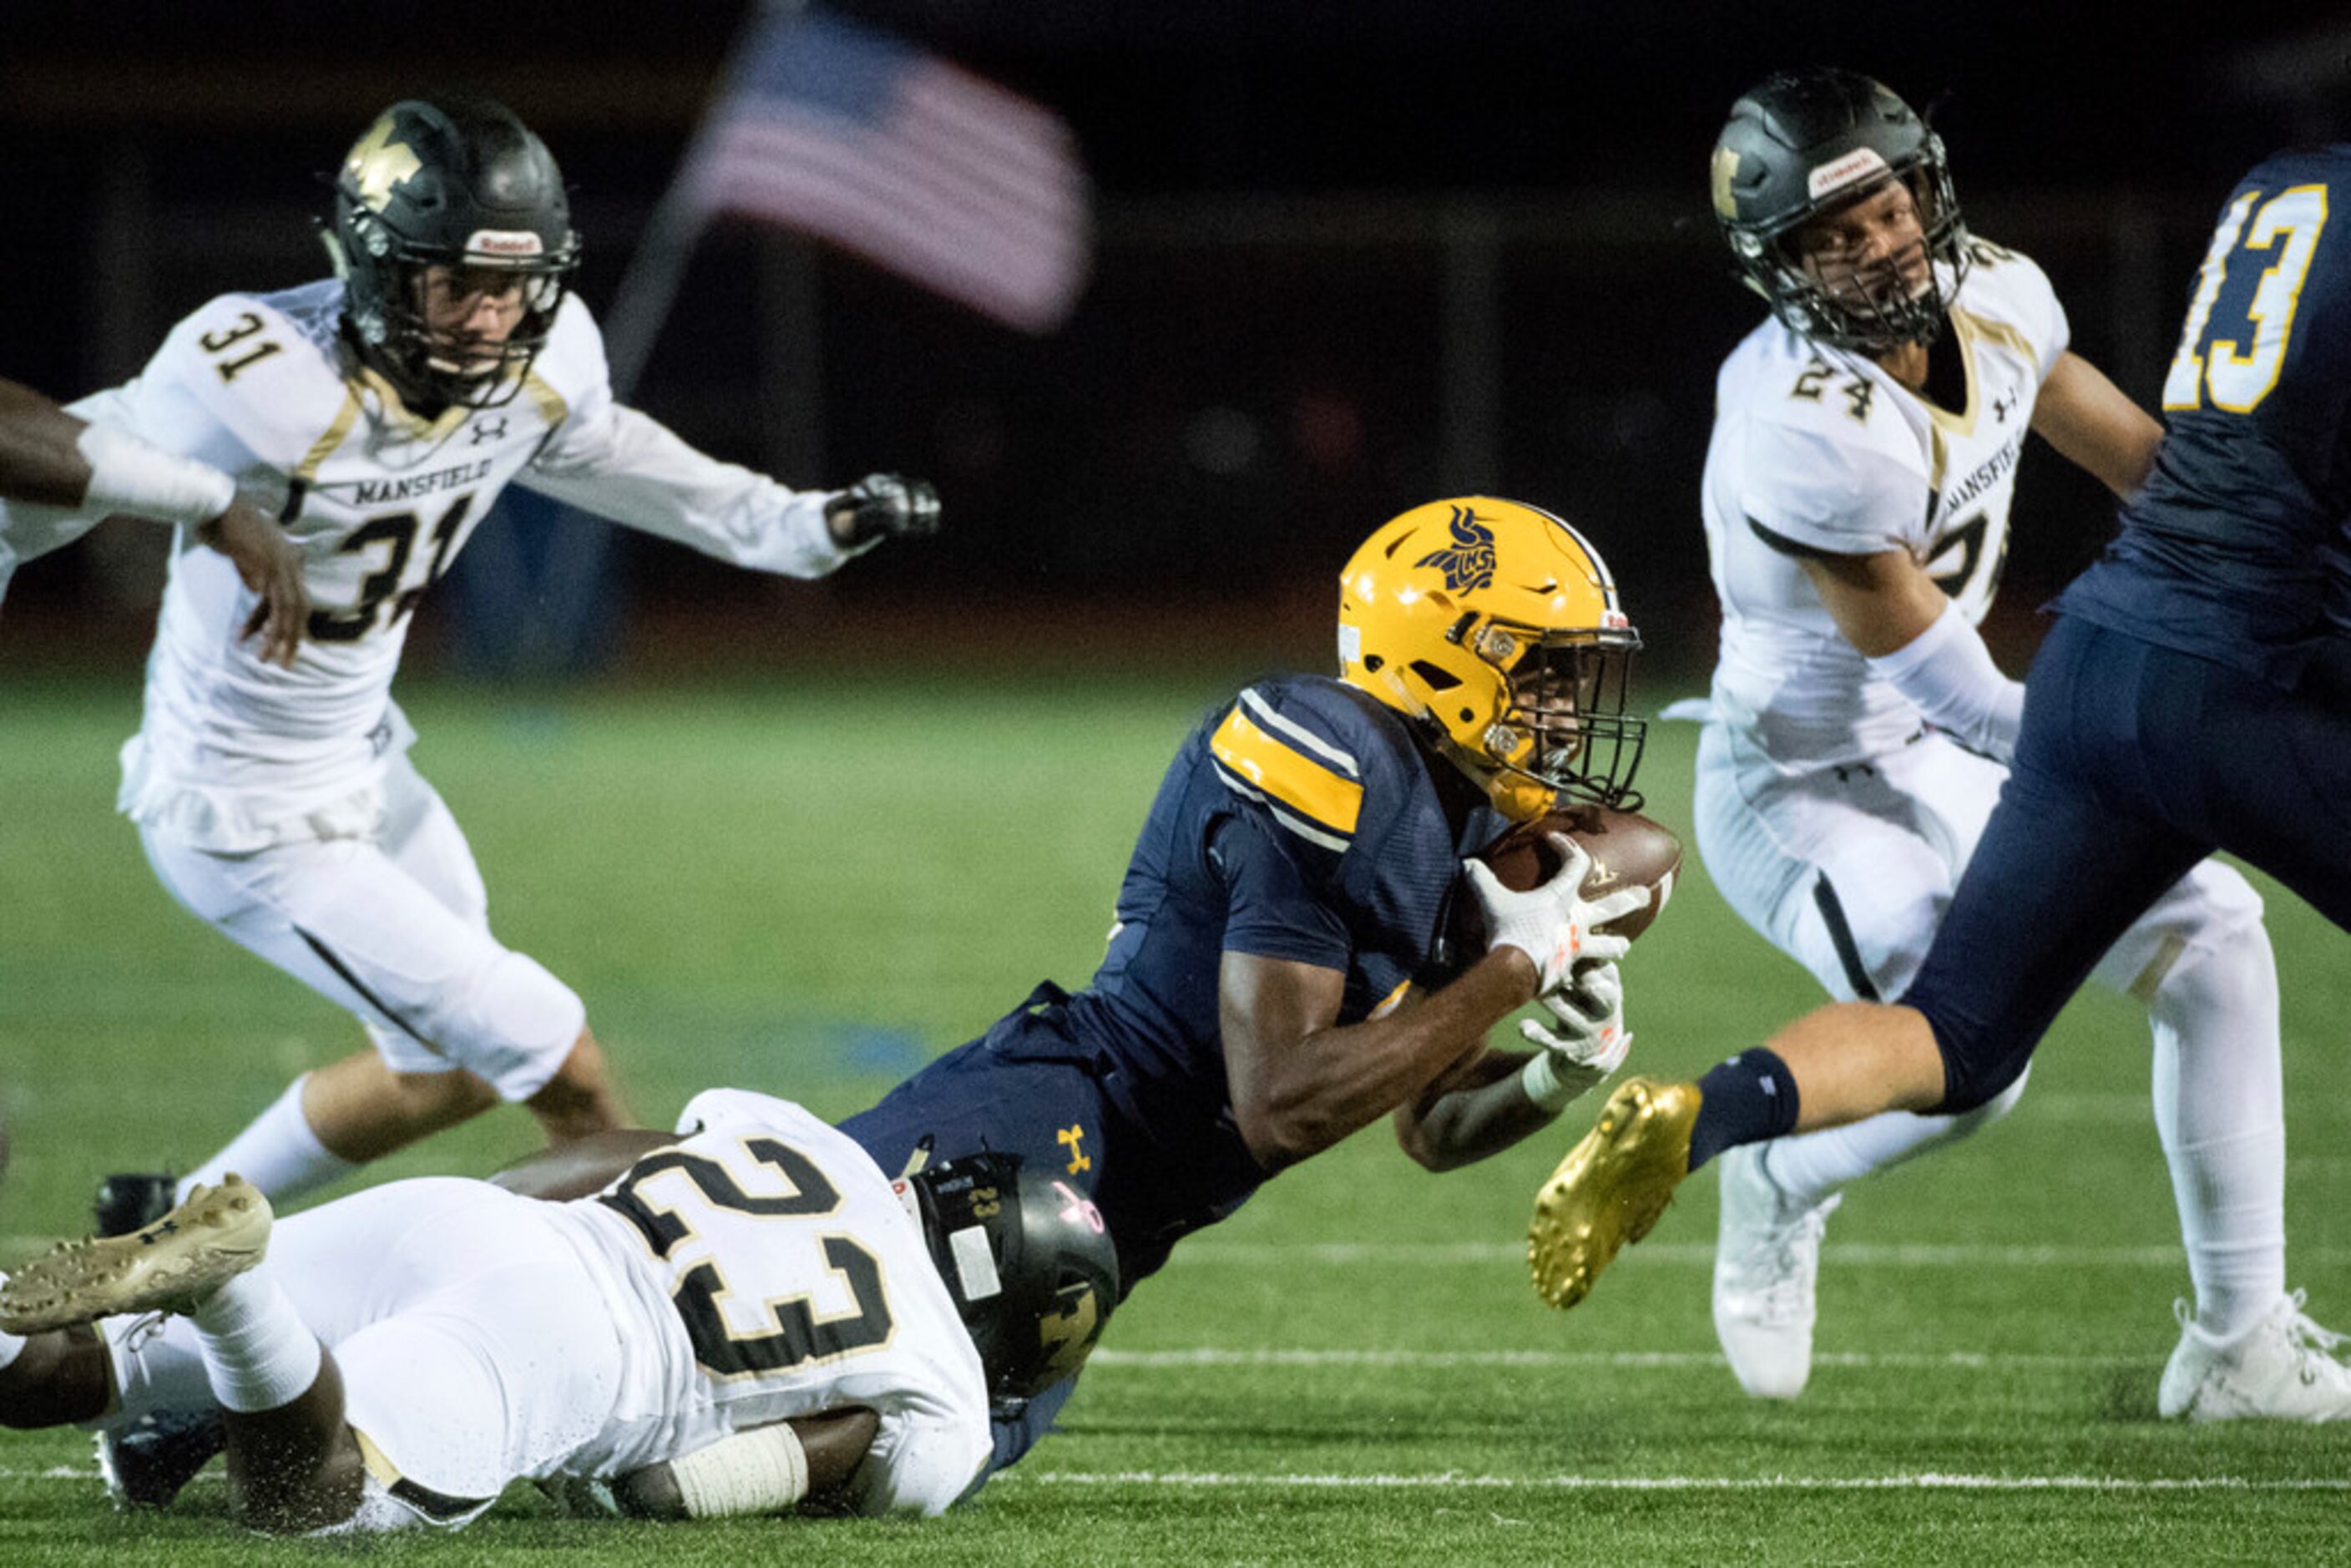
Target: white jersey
[(235, 755), (1816, 451), (763, 1269)]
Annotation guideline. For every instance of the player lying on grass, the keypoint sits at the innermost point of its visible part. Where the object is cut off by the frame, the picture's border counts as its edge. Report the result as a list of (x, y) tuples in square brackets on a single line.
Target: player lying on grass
[(401, 1355), (2194, 695), (60, 477)]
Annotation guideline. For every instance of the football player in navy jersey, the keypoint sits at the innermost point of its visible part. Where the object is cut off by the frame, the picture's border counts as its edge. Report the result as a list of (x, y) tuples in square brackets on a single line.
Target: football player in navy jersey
[(2193, 695), (1257, 1002)]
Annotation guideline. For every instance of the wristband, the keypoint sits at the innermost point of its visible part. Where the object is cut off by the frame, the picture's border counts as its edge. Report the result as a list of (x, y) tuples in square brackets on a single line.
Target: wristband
[(763, 1471), (1541, 1083), (127, 475)]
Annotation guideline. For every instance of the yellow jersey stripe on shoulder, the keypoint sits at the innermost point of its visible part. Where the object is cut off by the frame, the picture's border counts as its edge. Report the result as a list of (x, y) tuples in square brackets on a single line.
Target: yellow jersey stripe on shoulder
[(324, 447), (1306, 786)]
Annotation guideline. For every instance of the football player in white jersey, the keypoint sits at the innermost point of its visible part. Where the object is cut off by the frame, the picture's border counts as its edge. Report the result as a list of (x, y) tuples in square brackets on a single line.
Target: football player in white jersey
[(752, 1315), (379, 414), (1856, 500), (60, 477)]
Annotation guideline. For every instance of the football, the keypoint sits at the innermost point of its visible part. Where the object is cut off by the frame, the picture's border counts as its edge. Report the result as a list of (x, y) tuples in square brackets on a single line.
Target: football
[(1626, 849)]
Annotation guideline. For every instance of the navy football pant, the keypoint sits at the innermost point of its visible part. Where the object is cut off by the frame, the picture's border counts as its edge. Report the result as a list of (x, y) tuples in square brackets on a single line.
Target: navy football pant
[(2135, 762)]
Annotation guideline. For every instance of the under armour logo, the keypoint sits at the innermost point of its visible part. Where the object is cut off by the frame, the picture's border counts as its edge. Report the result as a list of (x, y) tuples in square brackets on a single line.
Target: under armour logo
[(2002, 407), (150, 1236), (496, 429), (1078, 1161)]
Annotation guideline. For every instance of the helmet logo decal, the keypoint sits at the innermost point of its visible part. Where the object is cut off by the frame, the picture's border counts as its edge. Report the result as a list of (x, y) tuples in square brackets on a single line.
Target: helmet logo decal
[(504, 242), (1076, 1206), (1726, 170), (378, 164), (1468, 562), (1079, 1161)]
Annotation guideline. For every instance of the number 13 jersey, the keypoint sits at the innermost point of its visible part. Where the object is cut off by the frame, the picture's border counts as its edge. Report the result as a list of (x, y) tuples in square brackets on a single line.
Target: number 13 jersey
[(1821, 452)]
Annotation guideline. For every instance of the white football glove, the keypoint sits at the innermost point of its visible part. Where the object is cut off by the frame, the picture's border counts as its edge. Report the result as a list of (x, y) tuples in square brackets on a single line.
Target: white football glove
[(1588, 1041), (1551, 922)]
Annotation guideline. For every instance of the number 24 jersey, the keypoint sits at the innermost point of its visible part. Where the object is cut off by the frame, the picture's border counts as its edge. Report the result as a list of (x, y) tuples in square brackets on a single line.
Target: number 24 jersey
[(1822, 452)]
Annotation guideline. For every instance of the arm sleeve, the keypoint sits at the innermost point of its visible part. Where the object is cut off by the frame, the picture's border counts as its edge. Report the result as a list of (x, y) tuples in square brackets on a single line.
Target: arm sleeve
[(1949, 676), (617, 463), (1835, 497)]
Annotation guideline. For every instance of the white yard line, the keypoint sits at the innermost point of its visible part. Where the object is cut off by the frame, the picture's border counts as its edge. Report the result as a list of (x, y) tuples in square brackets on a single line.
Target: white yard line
[(1455, 1481), (1211, 1251), (1671, 1359)]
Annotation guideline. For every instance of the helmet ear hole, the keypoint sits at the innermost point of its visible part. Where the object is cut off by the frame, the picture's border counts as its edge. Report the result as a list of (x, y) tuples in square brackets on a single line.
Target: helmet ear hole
[(1439, 677)]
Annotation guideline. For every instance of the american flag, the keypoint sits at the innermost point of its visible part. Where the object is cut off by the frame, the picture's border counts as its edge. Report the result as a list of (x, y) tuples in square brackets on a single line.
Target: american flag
[(840, 130)]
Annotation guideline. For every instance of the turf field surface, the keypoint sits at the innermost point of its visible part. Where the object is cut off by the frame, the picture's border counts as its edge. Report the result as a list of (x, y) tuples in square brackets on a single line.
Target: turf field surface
[(809, 889)]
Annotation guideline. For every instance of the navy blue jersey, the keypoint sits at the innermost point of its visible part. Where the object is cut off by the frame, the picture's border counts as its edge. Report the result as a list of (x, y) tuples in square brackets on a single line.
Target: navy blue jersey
[(1301, 822), (2238, 550)]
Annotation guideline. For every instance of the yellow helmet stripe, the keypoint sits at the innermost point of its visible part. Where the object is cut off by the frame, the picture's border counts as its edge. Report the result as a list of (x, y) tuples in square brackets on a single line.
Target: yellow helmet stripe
[(1262, 765)]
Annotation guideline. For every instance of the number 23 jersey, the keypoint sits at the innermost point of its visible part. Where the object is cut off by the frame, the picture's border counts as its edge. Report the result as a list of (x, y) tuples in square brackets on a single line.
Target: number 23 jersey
[(763, 1269), (1819, 452)]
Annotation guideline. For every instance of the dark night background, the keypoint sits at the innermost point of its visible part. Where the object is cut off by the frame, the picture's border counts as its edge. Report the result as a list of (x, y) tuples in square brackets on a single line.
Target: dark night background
[(1350, 257)]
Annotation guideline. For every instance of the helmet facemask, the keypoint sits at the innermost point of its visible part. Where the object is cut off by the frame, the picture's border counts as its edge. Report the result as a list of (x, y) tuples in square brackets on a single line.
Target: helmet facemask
[(1560, 733), (1869, 306)]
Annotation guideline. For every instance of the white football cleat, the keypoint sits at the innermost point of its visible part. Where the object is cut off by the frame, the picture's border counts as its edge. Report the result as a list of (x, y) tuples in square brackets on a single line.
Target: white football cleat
[(2280, 1369), (1767, 1259)]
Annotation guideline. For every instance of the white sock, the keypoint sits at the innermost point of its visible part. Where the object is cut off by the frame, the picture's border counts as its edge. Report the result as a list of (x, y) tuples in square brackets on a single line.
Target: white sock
[(11, 1345), (278, 1154), (258, 1353), (1809, 1167), (2219, 1111)]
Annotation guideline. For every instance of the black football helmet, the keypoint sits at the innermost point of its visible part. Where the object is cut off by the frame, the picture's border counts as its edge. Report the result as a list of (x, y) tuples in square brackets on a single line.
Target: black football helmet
[(456, 180), (1028, 1261), (1802, 142)]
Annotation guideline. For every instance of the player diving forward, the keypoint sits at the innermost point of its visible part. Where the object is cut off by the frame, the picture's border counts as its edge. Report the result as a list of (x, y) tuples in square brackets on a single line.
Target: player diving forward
[(1857, 499), (403, 1353), (1257, 1002), (381, 414), (2194, 695)]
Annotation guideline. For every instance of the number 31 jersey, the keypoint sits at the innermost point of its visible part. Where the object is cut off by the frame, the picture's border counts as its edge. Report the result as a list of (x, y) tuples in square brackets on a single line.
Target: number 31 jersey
[(763, 1269), (1819, 452), (234, 754)]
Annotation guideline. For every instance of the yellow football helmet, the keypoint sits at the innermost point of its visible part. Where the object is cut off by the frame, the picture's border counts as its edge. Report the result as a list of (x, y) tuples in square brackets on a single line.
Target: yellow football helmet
[(1494, 627)]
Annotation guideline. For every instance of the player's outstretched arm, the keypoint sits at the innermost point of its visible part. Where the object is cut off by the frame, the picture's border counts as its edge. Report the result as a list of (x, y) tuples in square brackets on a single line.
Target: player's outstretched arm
[(2094, 424), (1913, 635), (53, 458)]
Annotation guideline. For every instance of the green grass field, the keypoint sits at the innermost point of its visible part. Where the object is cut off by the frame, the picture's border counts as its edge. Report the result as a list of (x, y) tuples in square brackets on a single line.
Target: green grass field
[(810, 889)]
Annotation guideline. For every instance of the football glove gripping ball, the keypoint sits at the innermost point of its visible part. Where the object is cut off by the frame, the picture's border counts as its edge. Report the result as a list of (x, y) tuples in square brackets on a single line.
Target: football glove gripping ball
[(1551, 922), (887, 506)]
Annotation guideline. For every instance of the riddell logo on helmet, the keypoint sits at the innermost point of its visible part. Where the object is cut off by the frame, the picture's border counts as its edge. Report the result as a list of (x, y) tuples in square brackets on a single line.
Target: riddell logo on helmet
[(1861, 163), (504, 242)]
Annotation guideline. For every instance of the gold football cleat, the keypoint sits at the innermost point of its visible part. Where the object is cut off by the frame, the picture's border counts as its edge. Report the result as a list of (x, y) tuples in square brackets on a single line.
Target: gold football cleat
[(168, 1266), (1611, 1187)]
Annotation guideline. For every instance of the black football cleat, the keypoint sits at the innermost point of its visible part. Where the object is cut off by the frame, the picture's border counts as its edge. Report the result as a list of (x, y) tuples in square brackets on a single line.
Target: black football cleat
[(133, 1201), (145, 1463)]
